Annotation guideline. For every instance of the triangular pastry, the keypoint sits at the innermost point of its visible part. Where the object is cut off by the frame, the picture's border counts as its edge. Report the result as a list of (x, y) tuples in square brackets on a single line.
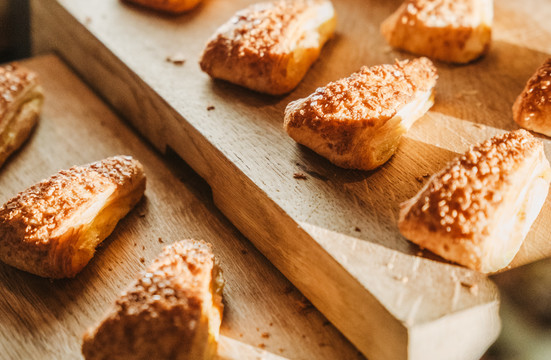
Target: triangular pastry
[(456, 31), (269, 47), (478, 209), (532, 109), (173, 311), (53, 228), (357, 122), (21, 99)]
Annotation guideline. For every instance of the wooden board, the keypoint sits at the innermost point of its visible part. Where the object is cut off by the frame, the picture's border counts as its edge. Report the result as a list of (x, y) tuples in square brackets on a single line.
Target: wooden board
[(265, 316), (334, 234)]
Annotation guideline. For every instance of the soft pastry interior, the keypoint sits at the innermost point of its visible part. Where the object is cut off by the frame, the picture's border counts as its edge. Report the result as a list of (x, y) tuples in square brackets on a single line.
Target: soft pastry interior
[(173, 311)]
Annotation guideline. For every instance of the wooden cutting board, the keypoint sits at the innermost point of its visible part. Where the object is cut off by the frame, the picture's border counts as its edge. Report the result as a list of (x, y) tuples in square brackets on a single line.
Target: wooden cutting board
[(265, 316), (333, 234)]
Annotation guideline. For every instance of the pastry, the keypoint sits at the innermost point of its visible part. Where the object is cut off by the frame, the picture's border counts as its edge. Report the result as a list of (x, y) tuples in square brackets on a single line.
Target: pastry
[(357, 122), (269, 47), (478, 210), (172, 312), (168, 6), (532, 109), (21, 100), (456, 31), (52, 228)]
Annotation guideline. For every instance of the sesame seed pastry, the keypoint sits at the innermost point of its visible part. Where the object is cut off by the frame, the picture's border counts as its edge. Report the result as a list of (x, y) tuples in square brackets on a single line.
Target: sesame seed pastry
[(478, 210), (268, 47), (21, 99), (357, 122), (53, 228), (456, 31), (532, 109), (168, 6), (173, 311)]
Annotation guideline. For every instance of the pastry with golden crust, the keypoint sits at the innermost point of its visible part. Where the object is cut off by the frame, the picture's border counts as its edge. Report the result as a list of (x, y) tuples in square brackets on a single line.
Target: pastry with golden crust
[(478, 210), (21, 99), (168, 6), (53, 228), (269, 47), (357, 122), (532, 109), (456, 31), (173, 311)]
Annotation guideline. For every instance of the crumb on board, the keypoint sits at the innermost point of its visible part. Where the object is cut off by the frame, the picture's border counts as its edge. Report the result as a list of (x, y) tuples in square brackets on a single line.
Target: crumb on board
[(210, 108), (141, 215), (161, 241), (326, 323), (265, 335), (419, 179), (281, 350), (262, 346), (357, 229), (143, 247), (271, 324), (300, 176), (390, 266), (176, 59), (110, 269), (142, 260), (87, 20)]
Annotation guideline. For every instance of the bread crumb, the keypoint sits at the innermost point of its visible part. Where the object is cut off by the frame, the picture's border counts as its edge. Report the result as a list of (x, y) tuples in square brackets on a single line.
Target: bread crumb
[(141, 215), (357, 229), (390, 266), (210, 108), (419, 179), (142, 260), (176, 59), (281, 350), (87, 20), (143, 247), (473, 288), (265, 335), (262, 346), (161, 240), (300, 176)]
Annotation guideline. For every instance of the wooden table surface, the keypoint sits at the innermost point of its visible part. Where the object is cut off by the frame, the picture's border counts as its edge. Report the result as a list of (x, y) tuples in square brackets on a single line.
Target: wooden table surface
[(334, 234), (265, 316)]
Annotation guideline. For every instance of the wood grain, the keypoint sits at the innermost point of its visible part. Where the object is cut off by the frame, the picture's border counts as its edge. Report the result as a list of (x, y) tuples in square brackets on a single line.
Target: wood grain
[(265, 316), (334, 234)]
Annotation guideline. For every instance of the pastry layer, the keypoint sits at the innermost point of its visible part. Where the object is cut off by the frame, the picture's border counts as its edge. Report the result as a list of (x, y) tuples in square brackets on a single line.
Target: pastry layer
[(52, 228), (478, 210), (357, 122), (269, 47), (173, 311)]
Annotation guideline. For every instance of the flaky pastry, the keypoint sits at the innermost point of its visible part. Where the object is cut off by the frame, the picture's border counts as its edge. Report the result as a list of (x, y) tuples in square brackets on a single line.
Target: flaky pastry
[(53, 228), (532, 109), (478, 210), (456, 31), (169, 6), (357, 122), (21, 99), (173, 311), (269, 47)]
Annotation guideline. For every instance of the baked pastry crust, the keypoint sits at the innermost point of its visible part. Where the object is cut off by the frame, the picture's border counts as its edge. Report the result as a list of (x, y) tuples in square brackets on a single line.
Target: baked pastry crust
[(172, 312), (52, 228), (532, 109), (457, 31), (21, 99), (478, 210), (168, 6), (269, 47), (357, 122)]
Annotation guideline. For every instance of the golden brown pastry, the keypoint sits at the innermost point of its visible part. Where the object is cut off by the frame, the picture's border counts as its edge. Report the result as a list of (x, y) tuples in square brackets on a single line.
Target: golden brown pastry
[(357, 122), (532, 109), (21, 99), (269, 47), (456, 31), (478, 210), (52, 228), (169, 6), (172, 312)]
